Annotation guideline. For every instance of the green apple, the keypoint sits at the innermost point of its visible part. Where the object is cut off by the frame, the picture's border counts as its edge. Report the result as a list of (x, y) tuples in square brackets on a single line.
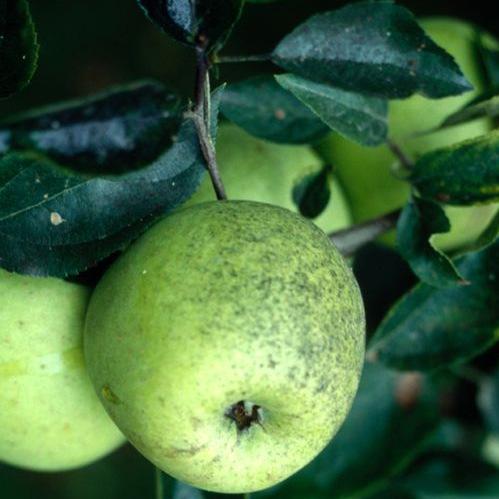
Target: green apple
[(50, 417), (366, 173), (227, 344), (257, 170)]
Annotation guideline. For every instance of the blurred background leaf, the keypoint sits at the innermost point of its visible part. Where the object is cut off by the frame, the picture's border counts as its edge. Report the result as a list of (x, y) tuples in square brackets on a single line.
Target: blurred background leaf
[(18, 46), (431, 328), (392, 418)]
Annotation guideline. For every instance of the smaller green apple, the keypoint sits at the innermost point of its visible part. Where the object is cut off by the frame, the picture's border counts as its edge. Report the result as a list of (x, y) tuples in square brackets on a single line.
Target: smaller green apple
[(365, 173), (256, 170), (50, 417)]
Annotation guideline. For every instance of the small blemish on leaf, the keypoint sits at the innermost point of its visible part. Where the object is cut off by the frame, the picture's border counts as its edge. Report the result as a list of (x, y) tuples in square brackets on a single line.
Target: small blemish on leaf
[(408, 390), (280, 114), (56, 219)]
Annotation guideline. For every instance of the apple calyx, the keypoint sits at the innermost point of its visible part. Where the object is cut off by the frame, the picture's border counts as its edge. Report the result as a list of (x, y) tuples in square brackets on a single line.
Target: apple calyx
[(244, 414)]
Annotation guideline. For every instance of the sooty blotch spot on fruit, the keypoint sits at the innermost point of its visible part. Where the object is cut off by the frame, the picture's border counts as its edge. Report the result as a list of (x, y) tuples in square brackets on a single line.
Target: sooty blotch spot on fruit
[(196, 422), (109, 395), (320, 388), (271, 362), (189, 451)]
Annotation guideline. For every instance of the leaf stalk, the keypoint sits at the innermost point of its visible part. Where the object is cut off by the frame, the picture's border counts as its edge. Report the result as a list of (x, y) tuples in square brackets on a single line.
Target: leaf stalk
[(349, 240)]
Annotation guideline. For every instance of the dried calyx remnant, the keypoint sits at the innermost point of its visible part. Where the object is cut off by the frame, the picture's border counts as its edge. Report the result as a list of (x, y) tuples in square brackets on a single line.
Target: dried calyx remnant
[(244, 414)]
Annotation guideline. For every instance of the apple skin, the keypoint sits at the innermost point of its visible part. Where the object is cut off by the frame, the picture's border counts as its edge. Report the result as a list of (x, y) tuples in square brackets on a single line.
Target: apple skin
[(218, 303), (365, 173), (256, 170), (50, 417)]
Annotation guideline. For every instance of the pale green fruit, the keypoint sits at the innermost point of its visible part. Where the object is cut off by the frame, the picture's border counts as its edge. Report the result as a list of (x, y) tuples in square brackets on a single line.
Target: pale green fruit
[(219, 303), (365, 173), (257, 170), (50, 417)]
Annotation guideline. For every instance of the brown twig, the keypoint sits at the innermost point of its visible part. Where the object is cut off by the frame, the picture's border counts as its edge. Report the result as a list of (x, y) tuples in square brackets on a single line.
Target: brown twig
[(404, 159), (349, 240), (202, 120)]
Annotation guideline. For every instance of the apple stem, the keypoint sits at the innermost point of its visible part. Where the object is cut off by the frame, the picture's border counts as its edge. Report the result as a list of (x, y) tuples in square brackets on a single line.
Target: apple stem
[(202, 120), (397, 150), (349, 240)]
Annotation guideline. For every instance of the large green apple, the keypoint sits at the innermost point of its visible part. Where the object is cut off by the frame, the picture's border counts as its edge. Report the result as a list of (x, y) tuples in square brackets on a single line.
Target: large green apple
[(227, 344), (257, 170), (371, 187), (50, 418)]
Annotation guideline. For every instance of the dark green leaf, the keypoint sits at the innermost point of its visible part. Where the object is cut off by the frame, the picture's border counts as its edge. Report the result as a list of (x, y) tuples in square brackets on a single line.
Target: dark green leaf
[(205, 23), (419, 220), (264, 109), (358, 117), (313, 193), (18, 46), (431, 328), (453, 476), (488, 401), (371, 47), (391, 418), (490, 60), (55, 222), (111, 132), (461, 174)]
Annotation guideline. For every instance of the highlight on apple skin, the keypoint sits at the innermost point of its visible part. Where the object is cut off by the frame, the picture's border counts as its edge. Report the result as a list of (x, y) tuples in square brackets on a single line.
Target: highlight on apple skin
[(227, 344)]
